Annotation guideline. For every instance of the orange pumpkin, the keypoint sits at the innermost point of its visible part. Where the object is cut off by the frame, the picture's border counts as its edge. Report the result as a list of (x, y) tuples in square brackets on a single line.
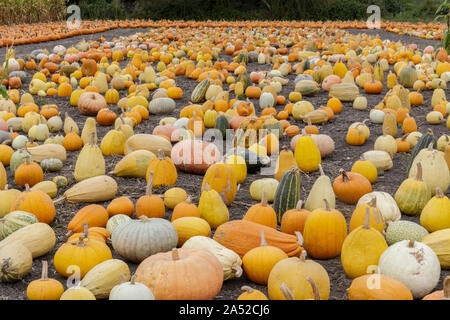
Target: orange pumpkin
[(350, 186), (94, 215), (150, 205)]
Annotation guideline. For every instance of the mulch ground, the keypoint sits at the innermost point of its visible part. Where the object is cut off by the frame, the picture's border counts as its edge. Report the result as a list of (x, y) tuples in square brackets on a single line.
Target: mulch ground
[(343, 157)]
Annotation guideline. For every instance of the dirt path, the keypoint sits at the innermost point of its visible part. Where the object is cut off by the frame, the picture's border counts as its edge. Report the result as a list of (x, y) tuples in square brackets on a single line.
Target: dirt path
[(343, 157)]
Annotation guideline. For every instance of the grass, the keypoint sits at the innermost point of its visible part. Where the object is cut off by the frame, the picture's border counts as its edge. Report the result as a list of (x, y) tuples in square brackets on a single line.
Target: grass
[(31, 11)]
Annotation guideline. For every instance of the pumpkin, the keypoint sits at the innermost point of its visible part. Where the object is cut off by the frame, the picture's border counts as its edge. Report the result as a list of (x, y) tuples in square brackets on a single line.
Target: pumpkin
[(356, 258), (174, 196), (262, 213), (436, 213), (294, 220), (196, 264), (241, 236), (439, 241), (359, 216), (131, 291), (435, 171), (89, 67), (422, 143), (367, 169), (39, 238), (45, 288), (15, 220), (147, 142), (285, 162), (267, 185), (231, 262), (413, 194), (51, 165), (408, 76), (412, 263), (163, 169), (136, 240), (161, 106), (239, 167), (221, 178), (251, 294), (212, 208), (323, 240), (90, 103), (36, 202), (90, 162), (16, 261), (95, 189), (351, 186), (378, 287), (113, 143), (188, 227), (102, 278), (259, 261), (115, 220), (122, 205), (380, 159), (134, 164), (293, 272), (150, 205), (440, 294), (77, 293), (94, 215)]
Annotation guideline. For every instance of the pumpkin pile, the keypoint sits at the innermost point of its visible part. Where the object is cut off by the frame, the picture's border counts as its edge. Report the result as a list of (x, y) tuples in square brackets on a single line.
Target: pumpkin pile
[(193, 115)]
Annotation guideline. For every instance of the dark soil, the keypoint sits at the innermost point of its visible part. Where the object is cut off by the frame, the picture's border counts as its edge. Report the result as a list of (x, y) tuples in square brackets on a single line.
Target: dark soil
[(343, 157)]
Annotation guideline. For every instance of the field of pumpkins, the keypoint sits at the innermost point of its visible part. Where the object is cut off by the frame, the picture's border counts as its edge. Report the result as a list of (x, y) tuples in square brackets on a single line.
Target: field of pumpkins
[(226, 161)]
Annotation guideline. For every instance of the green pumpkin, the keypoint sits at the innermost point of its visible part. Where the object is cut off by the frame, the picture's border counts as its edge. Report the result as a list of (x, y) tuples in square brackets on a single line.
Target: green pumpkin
[(60, 181), (254, 161), (15, 220), (51, 165), (413, 194), (288, 192), (404, 230), (222, 125), (242, 57)]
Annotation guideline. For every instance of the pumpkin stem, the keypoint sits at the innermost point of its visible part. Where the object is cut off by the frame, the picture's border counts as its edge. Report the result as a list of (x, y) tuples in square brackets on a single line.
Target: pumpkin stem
[(322, 173), (264, 201), (175, 255), (430, 146), (419, 172), (345, 176), (27, 188), (287, 293), (446, 288), (315, 288), (299, 238), (148, 191), (327, 205), (299, 205), (439, 193), (303, 256), (132, 280), (44, 276), (411, 244), (161, 155), (430, 132), (247, 289), (263, 239), (237, 270), (367, 222)]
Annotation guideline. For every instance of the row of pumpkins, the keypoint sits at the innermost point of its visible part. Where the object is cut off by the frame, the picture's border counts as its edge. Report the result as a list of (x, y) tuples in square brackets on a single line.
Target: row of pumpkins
[(253, 243), (52, 31)]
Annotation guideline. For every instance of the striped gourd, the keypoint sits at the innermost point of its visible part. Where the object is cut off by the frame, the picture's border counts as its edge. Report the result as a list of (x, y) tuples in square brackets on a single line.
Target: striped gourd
[(413, 194), (288, 192), (423, 143), (222, 125), (200, 91), (15, 220)]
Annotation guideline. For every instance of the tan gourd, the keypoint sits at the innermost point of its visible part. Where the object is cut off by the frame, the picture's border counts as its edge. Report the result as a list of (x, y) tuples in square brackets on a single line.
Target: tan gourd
[(322, 189), (96, 189), (90, 162), (90, 126), (285, 162)]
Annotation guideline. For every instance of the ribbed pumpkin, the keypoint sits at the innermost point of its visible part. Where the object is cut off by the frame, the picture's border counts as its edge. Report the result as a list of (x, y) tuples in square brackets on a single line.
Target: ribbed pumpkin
[(251, 294), (259, 261), (35, 202), (356, 255), (150, 205), (439, 241), (443, 294), (413, 194), (138, 239), (90, 162), (307, 154), (45, 288), (262, 213), (29, 173), (324, 233), (121, 205), (16, 261), (349, 187), (188, 227), (212, 208), (378, 287), (436, 213), (221, 177), (77, 293), (7, 197), (359, 216), (94, 215), (294, 272), (14, 221), (241, 236), (294, 220), (80, 256), (164, 171), (287, 193), (182, 267), (113, 143)]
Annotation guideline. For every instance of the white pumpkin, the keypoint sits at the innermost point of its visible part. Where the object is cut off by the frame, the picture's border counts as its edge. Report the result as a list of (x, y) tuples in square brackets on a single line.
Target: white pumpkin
[(266, 100), (414, 264), (269, 185), (181, 123), (360, 103), (380, 159), (131, 291), (385, 203), (377, 116), (386, 143)]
